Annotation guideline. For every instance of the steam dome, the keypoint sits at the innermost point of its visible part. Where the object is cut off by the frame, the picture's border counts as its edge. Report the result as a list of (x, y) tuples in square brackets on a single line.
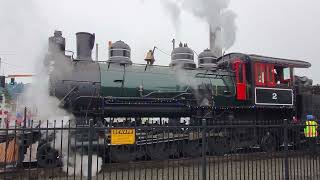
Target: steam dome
[(120, 52), (207, 60), (183, 56)]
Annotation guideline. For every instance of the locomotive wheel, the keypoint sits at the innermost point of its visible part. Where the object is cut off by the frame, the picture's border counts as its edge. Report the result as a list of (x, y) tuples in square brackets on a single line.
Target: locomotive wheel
[(269, 143), (219, 145), (192, 149), (48, 157), (125, 153), (162, 151)]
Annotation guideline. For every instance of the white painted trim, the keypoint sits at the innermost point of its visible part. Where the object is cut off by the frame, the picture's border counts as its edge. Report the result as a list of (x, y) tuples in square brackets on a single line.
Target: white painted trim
[(255, 97), (182, 53), (119, 57), (207, 58), (120, 49), (273, 88), (185, 60)]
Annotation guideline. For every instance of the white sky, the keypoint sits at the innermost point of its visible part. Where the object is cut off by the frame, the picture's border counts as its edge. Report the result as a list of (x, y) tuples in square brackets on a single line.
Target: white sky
[(280, 28)]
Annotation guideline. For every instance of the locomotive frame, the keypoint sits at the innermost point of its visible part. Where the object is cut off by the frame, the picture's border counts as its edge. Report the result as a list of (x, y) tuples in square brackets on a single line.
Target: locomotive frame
[(257, 94)]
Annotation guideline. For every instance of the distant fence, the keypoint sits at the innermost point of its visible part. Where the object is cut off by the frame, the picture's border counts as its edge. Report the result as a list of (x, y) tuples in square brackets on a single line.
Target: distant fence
[(127, 151)]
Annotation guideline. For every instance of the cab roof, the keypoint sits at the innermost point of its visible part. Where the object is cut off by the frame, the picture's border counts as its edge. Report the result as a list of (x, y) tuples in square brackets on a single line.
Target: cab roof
[(229, 58)]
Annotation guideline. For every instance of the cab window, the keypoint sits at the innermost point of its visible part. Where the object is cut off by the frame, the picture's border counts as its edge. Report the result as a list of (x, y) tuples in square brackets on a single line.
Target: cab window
[(260, 73), (264, 75), (270, 75), (240, 74), (286, 73), (282, 76)]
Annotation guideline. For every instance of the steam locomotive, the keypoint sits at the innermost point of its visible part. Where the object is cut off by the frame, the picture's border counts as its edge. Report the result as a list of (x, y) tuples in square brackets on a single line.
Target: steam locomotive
[(235, 89)]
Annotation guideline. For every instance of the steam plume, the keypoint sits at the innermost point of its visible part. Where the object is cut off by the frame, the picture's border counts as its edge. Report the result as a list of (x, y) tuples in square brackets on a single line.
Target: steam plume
[(26, 33), (48, 109), (214, 12), (174, 12)]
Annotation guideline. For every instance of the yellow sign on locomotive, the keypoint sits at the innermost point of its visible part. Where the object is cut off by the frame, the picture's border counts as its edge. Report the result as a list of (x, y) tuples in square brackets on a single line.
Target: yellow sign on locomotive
[(123, 136)]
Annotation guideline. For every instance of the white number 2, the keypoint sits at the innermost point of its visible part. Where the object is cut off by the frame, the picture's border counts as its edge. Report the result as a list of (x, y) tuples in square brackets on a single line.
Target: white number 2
[(274, 96)]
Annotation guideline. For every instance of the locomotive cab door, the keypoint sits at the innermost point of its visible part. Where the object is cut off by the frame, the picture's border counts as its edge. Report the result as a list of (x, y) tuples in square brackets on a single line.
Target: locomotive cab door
[(241, 80)]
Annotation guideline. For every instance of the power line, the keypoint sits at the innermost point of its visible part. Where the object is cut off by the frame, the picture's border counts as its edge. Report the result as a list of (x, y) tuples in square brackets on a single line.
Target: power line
[(12, 64), (13, 67), (163, 51), (4, 62)]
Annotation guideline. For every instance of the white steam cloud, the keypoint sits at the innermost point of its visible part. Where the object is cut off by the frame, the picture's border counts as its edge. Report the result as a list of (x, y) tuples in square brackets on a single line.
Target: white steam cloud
[(25, 33), (174, 12), (214, 12)]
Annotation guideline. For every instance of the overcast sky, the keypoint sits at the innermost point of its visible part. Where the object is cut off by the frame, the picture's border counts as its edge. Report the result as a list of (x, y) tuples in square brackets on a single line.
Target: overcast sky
[(280, 28)]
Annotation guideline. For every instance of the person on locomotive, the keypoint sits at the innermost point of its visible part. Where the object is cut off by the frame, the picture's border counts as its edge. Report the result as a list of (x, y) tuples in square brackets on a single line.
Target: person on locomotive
[(282, 75)]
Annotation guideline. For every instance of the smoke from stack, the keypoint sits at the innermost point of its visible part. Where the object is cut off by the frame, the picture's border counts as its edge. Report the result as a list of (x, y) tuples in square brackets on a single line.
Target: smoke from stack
[(215, 41), (220, 19), (174, 12)]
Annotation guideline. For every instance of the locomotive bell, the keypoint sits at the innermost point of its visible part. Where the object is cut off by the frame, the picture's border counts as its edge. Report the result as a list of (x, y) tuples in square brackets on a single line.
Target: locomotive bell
[(149, 58)]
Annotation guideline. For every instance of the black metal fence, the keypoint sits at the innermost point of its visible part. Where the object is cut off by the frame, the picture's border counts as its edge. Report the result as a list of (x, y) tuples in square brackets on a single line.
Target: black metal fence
[(61, 150)]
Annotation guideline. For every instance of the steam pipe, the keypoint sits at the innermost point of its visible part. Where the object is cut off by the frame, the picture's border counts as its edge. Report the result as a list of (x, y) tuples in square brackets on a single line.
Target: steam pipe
[(173, 43), (97, 52)]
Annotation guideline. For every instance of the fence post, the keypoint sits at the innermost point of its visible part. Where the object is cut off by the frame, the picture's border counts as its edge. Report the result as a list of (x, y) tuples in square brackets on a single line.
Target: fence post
[(204, 151), (286, 161), (22, 138), (25, 117), (90, 149)]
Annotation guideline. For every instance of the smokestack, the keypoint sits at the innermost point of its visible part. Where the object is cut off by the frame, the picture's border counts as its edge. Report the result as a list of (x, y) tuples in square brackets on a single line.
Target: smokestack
[(85, 43), (212, 38)]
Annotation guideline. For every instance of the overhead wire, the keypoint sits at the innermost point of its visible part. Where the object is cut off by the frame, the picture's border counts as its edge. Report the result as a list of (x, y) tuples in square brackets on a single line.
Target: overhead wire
[(8, 53), (163, 51), (12, 64)]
